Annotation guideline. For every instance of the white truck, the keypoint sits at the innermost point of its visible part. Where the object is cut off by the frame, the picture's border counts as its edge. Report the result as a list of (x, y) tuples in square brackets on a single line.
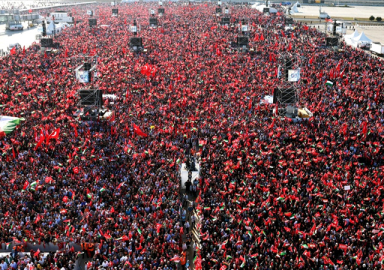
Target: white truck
[(377, 48), (13, 26)]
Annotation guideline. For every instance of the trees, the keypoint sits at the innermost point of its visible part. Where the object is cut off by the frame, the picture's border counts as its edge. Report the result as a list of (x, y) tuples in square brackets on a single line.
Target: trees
[(378, 19), (371, 18)]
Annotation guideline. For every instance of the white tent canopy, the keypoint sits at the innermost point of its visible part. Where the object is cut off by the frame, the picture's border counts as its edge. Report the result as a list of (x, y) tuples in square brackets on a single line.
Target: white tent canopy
[(353, 35), (294, 8), (362, 38), (356, 39), (51, 27)]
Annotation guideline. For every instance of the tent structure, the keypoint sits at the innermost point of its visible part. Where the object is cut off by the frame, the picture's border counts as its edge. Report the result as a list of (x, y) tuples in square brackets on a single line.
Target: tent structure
[(353, 35), (357, 41), (362, 38), (295, 9), (51, 27)]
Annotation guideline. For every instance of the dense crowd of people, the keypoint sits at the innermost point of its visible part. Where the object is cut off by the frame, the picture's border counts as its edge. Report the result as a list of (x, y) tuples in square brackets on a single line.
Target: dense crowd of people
[(273, 193)]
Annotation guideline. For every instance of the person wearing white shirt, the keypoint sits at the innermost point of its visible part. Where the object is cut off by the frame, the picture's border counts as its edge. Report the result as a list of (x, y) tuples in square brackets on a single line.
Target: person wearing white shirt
[(105, 264), (4, 265)]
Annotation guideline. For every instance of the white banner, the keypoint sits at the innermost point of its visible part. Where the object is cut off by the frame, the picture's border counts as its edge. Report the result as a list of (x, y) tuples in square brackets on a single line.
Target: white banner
[(293, 75)]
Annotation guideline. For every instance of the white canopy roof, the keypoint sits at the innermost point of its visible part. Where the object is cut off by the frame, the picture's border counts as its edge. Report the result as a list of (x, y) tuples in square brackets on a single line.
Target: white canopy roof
[(353, 35), (362, 38)]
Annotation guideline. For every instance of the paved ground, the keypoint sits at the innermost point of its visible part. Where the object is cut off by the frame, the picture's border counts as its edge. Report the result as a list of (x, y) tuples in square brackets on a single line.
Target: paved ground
[(353, 11), (24, 38)]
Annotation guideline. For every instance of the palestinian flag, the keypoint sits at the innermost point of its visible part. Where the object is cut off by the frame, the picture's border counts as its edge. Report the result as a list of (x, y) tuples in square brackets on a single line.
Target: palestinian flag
[(7, 245), (8, 124), (102, 189), (329, 83), (283, 253), (139, 231), (33, 185), (304, 246), (280, 199)]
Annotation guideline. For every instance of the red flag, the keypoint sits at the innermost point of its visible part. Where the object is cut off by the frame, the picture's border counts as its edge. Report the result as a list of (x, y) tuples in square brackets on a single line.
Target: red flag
[(146, 70), (338, 66), (66, 52), (311, 60), (158, 227), (262, 37), (74, 128), (26, 184), (55, 134), (138, 131), (24, 50), (13, 51), (93, 52), (218, 52), (45, 55), (41, 140), (364, 125), (290, 46), (37, 253)]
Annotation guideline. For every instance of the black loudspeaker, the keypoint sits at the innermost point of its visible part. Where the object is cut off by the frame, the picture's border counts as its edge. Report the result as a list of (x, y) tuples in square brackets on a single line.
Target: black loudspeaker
[(288, 66), (332, 41), (44, 29), (46, 42), (91, 97), (136, 42), (153, 21), (92, 22), (276, 93), (225, 21), (265, 10), (242, 41), (115, 11), (161, 11), (288, 20), (218, 10), (87, 66)]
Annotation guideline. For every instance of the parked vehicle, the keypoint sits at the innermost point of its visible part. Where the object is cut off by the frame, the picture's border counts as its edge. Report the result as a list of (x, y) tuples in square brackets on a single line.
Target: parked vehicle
[(377, 48), (14, 26), (12, 45)]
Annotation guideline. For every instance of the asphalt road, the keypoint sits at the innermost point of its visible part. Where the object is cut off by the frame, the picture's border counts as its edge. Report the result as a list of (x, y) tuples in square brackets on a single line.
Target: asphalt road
[(25, 37)]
